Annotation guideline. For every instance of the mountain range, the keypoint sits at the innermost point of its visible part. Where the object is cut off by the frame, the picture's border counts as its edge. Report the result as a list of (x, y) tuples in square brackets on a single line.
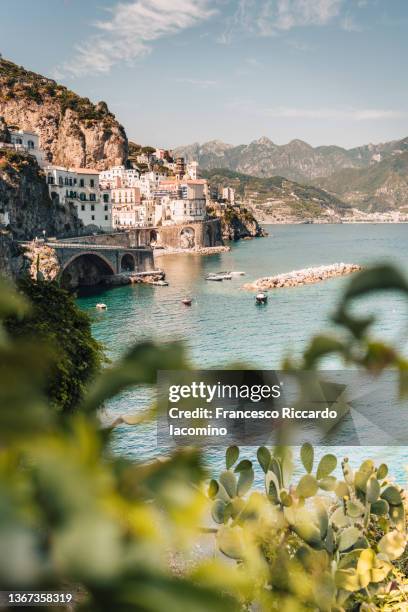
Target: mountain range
[(372, 177), (296, 160)]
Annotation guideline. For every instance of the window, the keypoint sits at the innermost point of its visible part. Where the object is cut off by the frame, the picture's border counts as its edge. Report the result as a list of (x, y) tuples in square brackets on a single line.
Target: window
[(82, 196), (60, 181), (50, 180), (82, 183), (106, 207), (106, 197), (82, 206), (93, 207), (93, 217), (106, 217), (30, 144), (70, 182), (66, 180), (19, 141), (92, 183), (92, 197), (75, 181)]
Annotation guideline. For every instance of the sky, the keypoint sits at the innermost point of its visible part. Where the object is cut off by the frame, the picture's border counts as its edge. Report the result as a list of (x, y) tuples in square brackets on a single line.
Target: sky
[(176, 72)]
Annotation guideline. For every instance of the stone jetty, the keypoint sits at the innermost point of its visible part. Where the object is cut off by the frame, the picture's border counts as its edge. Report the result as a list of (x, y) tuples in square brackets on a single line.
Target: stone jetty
[(302, 277)]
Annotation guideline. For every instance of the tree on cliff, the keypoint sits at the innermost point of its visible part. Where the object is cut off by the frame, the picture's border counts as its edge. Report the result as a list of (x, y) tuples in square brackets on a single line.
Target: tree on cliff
[(55, 321)]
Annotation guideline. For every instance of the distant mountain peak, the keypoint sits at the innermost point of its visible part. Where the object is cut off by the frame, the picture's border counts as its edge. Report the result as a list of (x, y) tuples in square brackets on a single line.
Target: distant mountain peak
[(263, 140)]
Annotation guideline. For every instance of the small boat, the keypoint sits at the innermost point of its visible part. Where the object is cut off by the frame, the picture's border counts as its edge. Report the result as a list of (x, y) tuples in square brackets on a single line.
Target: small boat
[(261, 298), (214, 277), (224, 275), (160, 283), (237, 273), (186, 301), (101, 306)]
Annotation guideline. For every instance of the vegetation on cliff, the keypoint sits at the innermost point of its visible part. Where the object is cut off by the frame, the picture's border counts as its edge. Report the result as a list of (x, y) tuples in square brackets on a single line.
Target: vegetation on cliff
[(55, 322), (236, 222), (21, 84)]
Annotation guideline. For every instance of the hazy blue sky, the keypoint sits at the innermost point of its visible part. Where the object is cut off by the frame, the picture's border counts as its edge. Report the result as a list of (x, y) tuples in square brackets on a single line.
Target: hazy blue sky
[(179, 71)]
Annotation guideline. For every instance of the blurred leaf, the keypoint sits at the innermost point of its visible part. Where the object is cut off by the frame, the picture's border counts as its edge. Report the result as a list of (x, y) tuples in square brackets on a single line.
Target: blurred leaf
[(243, 466), (231, 456), (245, 480), (327, 464), (307, 456), (319, 347), (138, 366), (393, 544), (379, 278), (264, 458)]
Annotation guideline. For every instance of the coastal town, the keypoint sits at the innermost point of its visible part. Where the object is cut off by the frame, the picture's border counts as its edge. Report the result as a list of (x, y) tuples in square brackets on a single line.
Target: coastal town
[(168, 191)]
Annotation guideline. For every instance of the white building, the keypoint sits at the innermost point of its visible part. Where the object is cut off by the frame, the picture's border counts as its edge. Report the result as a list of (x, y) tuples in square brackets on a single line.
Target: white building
[(126, 207), (119, 176), (228, 194), (192, 170), (81, 187), (181, 201), (29, 142)]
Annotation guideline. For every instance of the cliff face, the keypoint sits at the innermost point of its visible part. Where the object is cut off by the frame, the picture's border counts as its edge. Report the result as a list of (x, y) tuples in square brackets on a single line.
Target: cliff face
[(237, 222), (25, 205), (72, 130)]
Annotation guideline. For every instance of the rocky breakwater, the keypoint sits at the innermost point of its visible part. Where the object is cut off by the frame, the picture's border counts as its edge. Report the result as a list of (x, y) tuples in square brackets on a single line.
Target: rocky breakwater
[(133, 278), (306, 276)]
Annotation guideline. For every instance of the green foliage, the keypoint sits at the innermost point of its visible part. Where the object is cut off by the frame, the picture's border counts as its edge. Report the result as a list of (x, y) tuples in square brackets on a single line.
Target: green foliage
[(347, 540), (71, 514), (55, 321), (18, 83)]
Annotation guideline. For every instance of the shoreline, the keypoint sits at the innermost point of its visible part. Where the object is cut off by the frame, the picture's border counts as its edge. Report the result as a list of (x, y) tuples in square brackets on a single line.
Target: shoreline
[(195, 251)]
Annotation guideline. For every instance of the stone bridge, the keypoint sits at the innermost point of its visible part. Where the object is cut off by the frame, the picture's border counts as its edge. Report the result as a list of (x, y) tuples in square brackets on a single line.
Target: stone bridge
[(86, 264)]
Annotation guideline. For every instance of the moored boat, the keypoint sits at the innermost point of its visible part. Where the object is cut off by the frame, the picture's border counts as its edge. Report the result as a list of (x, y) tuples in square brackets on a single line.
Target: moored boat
[(261, 298), (186, 301), (101, 306), (214, 277)]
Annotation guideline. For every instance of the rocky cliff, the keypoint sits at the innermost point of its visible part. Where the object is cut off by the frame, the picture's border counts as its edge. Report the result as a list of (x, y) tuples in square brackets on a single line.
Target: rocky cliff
[(236, 222), (73, 131), (26, 209), (25, 205)]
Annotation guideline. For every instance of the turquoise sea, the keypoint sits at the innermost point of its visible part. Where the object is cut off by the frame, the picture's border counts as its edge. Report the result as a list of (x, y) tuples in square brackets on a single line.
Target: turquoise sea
[(224, 325)]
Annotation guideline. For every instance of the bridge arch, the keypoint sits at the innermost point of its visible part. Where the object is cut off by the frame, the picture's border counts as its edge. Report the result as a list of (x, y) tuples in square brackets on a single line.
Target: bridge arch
[(86, 269), (127, 263)]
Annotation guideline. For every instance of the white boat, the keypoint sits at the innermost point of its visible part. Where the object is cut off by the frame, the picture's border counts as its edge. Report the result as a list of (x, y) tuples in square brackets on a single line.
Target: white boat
[(224, 275), (101, 306), (214, 277), (160, 283), (219, 276), (237, 273), (261, 298)]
